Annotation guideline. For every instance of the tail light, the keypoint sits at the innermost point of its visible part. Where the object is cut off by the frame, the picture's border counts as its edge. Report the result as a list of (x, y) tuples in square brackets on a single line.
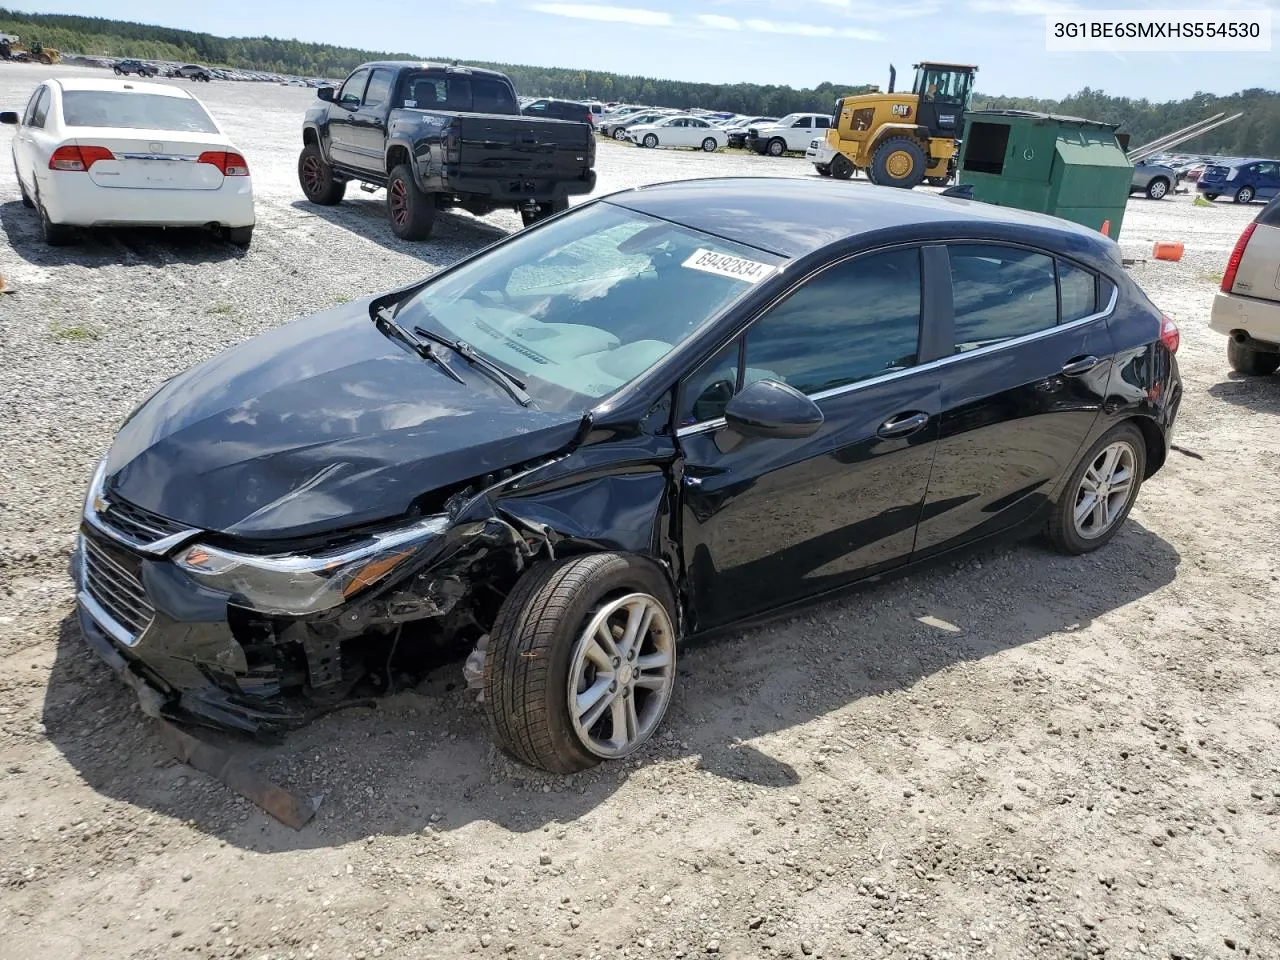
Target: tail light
[(230, 164), (1237, 254), (1169, 334), (78, 159)]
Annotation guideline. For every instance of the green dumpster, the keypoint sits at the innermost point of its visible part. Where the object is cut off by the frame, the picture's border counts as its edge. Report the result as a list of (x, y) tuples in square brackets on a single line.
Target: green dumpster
[(1065, 166)]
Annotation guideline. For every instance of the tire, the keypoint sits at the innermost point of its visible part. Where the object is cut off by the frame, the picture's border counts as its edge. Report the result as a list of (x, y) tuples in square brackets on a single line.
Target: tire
[(1251, 362), (54, 234), (316, 177), (710, 145), (238, 236), (1158, 188), (546, 209), (26, 197), (1211, 196), (117, 71), (841, 167), (619, 134), (1066, 535), (776, 147), (650, 140), (412, 212), (889, 163), (937, 181), (534, 647), (823, 169), (1244, 195)]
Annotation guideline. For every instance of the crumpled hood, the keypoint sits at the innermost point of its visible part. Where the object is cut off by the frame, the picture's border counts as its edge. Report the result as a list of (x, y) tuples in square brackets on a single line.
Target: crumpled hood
[(322, 424)]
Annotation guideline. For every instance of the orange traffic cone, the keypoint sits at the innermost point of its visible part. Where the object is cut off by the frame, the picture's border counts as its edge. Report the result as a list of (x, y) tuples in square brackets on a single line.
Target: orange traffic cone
[(1106, 228)]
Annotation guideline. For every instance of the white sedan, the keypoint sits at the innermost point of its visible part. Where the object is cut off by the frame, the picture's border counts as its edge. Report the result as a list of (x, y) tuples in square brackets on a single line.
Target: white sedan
[(679, 131), (96, 153)]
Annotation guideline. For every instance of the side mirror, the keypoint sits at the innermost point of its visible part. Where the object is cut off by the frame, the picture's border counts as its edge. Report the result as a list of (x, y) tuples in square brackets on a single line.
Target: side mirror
[(9, 116), (325, 93), (768, 408)]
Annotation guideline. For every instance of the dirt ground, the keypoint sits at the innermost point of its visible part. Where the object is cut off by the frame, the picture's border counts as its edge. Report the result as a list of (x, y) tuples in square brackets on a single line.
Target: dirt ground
[(1014, 755)]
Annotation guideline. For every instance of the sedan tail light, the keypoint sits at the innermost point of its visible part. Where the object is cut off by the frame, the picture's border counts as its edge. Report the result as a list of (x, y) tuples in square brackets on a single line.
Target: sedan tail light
[(78, 159), (1169, 334), (1237, 254), (229, 163)]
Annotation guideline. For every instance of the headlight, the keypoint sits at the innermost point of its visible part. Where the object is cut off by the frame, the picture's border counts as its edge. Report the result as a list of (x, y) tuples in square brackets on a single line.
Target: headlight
[(297, 585)]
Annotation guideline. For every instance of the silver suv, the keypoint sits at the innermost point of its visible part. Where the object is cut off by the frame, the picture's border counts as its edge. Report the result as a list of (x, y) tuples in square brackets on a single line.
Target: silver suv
[(1247, 309), (1154, 179)]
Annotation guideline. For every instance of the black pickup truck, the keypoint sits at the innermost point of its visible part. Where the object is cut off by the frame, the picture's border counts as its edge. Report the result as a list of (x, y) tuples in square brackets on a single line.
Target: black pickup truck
[(438, 136)]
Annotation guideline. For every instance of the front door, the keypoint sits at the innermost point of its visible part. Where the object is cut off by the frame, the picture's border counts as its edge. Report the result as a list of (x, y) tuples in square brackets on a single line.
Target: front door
[(1020, 393), (343, 148), (1268, 179), (770, 521), (369, 123)]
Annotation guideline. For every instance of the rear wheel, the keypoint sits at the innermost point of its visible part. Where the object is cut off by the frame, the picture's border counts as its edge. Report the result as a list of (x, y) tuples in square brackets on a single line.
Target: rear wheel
[(316, 177), (1157, 188), (54, 234), (841, 167), (1244, 194), (238, 236), (543, 210), (1250, 362), (777, 147), (898, 162), (710, 145), (412, 211), (1100, 492), (937, 181), (1211, 196), (580, 665)]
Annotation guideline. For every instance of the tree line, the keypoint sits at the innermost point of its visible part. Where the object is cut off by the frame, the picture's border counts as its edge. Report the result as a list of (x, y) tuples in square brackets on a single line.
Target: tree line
[(1256, 133)]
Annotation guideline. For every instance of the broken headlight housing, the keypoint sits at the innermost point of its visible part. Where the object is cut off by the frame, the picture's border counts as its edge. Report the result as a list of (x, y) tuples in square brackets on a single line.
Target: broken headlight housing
[(295, 584)]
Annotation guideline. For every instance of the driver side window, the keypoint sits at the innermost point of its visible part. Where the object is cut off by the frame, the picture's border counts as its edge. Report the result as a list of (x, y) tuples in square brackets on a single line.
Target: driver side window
[(352, 91)]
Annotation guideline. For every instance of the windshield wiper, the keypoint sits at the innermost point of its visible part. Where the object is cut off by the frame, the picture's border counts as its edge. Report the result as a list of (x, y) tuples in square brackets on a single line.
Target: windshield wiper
[(507, 381), (425, 349)]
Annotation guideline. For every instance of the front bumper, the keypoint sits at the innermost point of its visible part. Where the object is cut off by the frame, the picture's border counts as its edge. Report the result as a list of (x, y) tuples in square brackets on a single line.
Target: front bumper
[(75, 200)]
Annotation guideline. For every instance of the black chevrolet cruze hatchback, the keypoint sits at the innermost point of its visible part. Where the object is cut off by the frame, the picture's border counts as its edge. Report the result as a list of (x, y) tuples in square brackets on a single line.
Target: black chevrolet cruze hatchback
[(668, 411)]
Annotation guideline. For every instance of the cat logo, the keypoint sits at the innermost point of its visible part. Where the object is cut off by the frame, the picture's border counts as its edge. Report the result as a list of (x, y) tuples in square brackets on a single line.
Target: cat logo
[(902, 109)]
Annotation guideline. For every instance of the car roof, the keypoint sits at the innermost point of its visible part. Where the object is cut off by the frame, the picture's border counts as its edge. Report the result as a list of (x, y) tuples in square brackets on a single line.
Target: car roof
[(460, 68), (120, 85), (792, 217)]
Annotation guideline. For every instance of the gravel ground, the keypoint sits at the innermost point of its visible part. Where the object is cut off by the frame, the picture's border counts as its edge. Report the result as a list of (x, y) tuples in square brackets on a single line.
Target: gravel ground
[(1015, 755)]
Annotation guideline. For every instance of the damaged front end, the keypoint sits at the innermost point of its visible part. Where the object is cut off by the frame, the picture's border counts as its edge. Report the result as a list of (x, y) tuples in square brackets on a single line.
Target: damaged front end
[(214, 633)]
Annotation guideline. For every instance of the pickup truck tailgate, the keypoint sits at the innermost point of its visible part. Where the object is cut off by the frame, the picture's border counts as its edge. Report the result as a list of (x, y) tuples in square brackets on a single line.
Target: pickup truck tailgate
[(492, 145)]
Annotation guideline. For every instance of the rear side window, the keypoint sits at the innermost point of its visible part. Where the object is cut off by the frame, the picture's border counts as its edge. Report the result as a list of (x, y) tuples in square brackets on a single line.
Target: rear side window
[(1079, 292), (134, 111), (856, 320), (1000, 293)]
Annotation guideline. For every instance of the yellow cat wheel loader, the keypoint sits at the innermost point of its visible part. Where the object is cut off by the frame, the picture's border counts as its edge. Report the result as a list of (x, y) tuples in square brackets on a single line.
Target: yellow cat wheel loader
[(901, 139)]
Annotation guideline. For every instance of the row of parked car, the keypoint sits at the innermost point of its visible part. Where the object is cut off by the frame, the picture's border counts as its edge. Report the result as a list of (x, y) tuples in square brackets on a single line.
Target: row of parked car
[(195, 71), (1242, 180)]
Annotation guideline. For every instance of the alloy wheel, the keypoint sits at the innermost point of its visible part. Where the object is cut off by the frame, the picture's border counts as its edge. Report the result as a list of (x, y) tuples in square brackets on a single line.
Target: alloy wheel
[(1104, 490), (621, 675), (312, 175), (399, 202), (1157, 190)]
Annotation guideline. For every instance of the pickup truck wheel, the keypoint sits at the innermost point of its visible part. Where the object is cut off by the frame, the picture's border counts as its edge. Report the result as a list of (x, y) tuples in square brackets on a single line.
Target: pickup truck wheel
[(777, 147), (411, 211), (1250, 362), (543, 210), (581, 660), (316, 177), (650, 140), (841, 167), (823, 169)]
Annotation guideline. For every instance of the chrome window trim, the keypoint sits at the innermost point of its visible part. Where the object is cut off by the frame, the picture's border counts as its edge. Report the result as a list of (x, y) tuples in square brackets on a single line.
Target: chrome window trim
[(710, 425)]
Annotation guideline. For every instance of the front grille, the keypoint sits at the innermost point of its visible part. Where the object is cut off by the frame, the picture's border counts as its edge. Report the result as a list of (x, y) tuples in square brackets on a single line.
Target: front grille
[(116, 590), (140, 525)]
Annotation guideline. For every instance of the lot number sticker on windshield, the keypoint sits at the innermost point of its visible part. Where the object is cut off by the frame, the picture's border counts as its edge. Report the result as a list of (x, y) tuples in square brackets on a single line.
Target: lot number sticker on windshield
[(724, 265)]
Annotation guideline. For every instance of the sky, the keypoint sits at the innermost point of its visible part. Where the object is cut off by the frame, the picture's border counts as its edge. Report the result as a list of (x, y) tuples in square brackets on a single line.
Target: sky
[(795, 42)]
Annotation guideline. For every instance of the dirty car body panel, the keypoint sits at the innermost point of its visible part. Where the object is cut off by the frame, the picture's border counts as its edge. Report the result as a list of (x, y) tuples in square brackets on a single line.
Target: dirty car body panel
[(273, 527)]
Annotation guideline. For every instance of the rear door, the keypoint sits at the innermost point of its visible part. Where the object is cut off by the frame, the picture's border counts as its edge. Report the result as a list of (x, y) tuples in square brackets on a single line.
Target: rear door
[(769, 521), (1020, 391), (1268, 180), (343, 148)]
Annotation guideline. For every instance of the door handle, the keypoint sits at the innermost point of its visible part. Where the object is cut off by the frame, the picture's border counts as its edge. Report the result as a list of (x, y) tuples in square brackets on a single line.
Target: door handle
[(1073, 368), (902, 425)]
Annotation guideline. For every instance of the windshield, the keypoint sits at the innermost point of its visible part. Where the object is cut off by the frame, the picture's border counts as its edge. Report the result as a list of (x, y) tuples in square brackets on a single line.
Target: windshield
[(579, 307), (135, 111)]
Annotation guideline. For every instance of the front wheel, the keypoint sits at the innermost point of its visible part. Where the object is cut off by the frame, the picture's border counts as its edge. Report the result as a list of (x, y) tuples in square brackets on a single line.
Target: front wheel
[(898, 162), (709, 145), (411, 210), (117, 71), (26, 197), (317, 179), (650, 140), (1157, 188), (620, 134), (581, 662), (1244, 195), (777, 147), (823, 169), (1101, 491), (1250, 362)]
